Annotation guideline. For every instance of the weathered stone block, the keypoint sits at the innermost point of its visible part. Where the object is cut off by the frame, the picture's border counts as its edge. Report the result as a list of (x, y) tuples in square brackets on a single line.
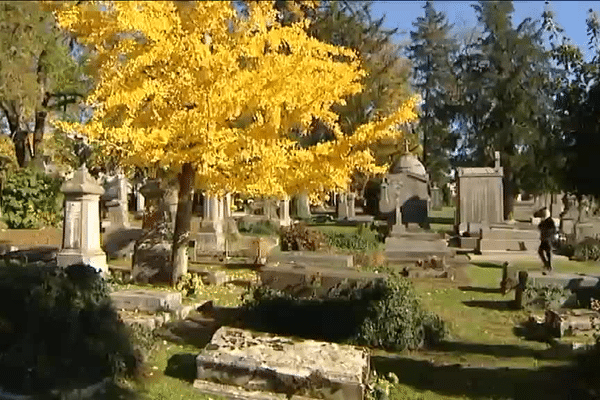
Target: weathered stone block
[(297, 278), (311, 258), (146, 300), (283, 365)]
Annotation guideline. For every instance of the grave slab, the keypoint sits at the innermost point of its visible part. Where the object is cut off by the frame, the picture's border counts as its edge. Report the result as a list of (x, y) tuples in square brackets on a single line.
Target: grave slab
[(265, 362), (312, 259), (290, 277), (146, 300)]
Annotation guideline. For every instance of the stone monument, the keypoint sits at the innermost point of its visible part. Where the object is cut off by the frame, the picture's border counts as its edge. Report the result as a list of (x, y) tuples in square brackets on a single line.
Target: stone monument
[(152, 252), (407, 183), (480, 196), (116, 202), (81, 226)]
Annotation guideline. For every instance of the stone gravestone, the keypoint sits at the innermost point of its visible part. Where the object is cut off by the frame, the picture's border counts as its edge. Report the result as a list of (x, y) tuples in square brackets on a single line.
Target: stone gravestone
[(284, 212), (209, 237), (152, 252), (81, 225), (407, 183), (115, 196), (342, 206), (302, 206), (437, 200), (480, 196)]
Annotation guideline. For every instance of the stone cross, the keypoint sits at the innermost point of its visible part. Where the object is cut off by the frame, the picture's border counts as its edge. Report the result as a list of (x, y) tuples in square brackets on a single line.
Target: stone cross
[(81, 225)]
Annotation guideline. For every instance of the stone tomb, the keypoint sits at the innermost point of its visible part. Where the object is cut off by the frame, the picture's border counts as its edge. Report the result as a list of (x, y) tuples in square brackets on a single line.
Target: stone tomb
[(480, 196), (269, 363), (406, 184), (297, 278)]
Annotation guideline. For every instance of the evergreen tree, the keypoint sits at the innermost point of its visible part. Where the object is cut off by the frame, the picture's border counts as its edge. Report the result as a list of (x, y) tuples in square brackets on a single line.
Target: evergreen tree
[(431, 53), (506, 76)]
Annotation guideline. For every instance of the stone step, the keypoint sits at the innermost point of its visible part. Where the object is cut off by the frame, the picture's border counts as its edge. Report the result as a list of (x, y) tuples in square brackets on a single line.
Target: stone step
[(264, 362)]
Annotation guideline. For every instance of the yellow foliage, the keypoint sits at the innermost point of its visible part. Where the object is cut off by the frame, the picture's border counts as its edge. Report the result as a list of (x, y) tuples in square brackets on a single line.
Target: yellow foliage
[(196, 82), (8, 157)]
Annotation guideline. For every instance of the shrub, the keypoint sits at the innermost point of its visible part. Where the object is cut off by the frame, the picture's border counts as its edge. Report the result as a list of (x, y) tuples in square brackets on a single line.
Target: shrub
[(301, 237), (385, 315), (260, 228), (31, 199), (190, 284), (545, 297), (59, 330), (587, 250), (364, 239)]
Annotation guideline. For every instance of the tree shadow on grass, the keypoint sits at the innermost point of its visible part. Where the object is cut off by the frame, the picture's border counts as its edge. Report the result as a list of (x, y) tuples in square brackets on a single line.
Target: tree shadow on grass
[(479, 289), (483, 264), (498, 350), (501, 305), (182, 366), (547, 383)]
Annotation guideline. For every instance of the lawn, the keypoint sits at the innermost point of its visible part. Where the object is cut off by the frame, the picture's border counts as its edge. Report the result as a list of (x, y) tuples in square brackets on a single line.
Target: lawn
[(483, 359)]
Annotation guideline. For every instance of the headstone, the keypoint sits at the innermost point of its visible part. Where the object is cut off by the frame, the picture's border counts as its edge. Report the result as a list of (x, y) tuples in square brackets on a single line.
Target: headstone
[(81, 225), (302, 206), (407, 183), (351, 205), (117, 202), (259, 361), (437, 200), (480, 196), (342, 206), (284, 212), (171, 200)]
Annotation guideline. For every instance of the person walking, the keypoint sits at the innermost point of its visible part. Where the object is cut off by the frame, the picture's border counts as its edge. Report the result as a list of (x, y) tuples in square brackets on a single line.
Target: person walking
[(547, 232)]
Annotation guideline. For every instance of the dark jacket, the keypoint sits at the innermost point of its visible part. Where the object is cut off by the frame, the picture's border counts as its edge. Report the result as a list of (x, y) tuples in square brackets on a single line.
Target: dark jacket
[(547, 229)]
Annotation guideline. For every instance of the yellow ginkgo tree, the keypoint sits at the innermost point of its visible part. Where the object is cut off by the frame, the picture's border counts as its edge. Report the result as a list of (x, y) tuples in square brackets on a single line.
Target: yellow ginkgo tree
[(220, 93)]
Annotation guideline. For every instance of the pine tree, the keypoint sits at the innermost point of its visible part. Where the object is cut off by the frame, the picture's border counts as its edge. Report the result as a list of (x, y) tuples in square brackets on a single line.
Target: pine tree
[(506, 98), (431, 52)]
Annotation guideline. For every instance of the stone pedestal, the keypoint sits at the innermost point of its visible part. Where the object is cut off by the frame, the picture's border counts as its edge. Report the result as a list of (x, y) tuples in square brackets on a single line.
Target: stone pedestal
[(437, 200), (81, 226), (302, 206), (284, 212)]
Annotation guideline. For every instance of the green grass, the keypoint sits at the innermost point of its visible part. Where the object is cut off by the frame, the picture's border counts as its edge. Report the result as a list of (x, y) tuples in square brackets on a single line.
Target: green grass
[(482, 338)]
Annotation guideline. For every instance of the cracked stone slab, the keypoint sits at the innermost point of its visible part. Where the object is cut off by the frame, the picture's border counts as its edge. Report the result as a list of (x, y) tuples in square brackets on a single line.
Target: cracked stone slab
[(265, 362)]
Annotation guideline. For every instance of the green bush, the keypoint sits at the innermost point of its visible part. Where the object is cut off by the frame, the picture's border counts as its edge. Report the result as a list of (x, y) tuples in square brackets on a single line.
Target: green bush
[(59, 330), (364, 239), (384, 315), (31, 199), (301, 237), (545, 297), (587, 250), (260, 228)]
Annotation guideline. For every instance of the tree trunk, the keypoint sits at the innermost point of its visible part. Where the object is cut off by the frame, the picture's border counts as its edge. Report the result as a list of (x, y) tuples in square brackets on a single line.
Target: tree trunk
[(182, 222), (38, 136), (22, 148)]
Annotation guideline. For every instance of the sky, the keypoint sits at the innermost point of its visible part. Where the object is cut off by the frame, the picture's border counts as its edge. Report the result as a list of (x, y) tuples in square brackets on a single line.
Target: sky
[(571, 15)]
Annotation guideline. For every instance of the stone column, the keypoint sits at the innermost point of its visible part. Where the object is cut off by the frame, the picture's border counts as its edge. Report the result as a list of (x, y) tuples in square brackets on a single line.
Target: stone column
[(227, 206), (81, 225), (284, 212), (351, 205), (342, 206), (140, 201), (171, 200)]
